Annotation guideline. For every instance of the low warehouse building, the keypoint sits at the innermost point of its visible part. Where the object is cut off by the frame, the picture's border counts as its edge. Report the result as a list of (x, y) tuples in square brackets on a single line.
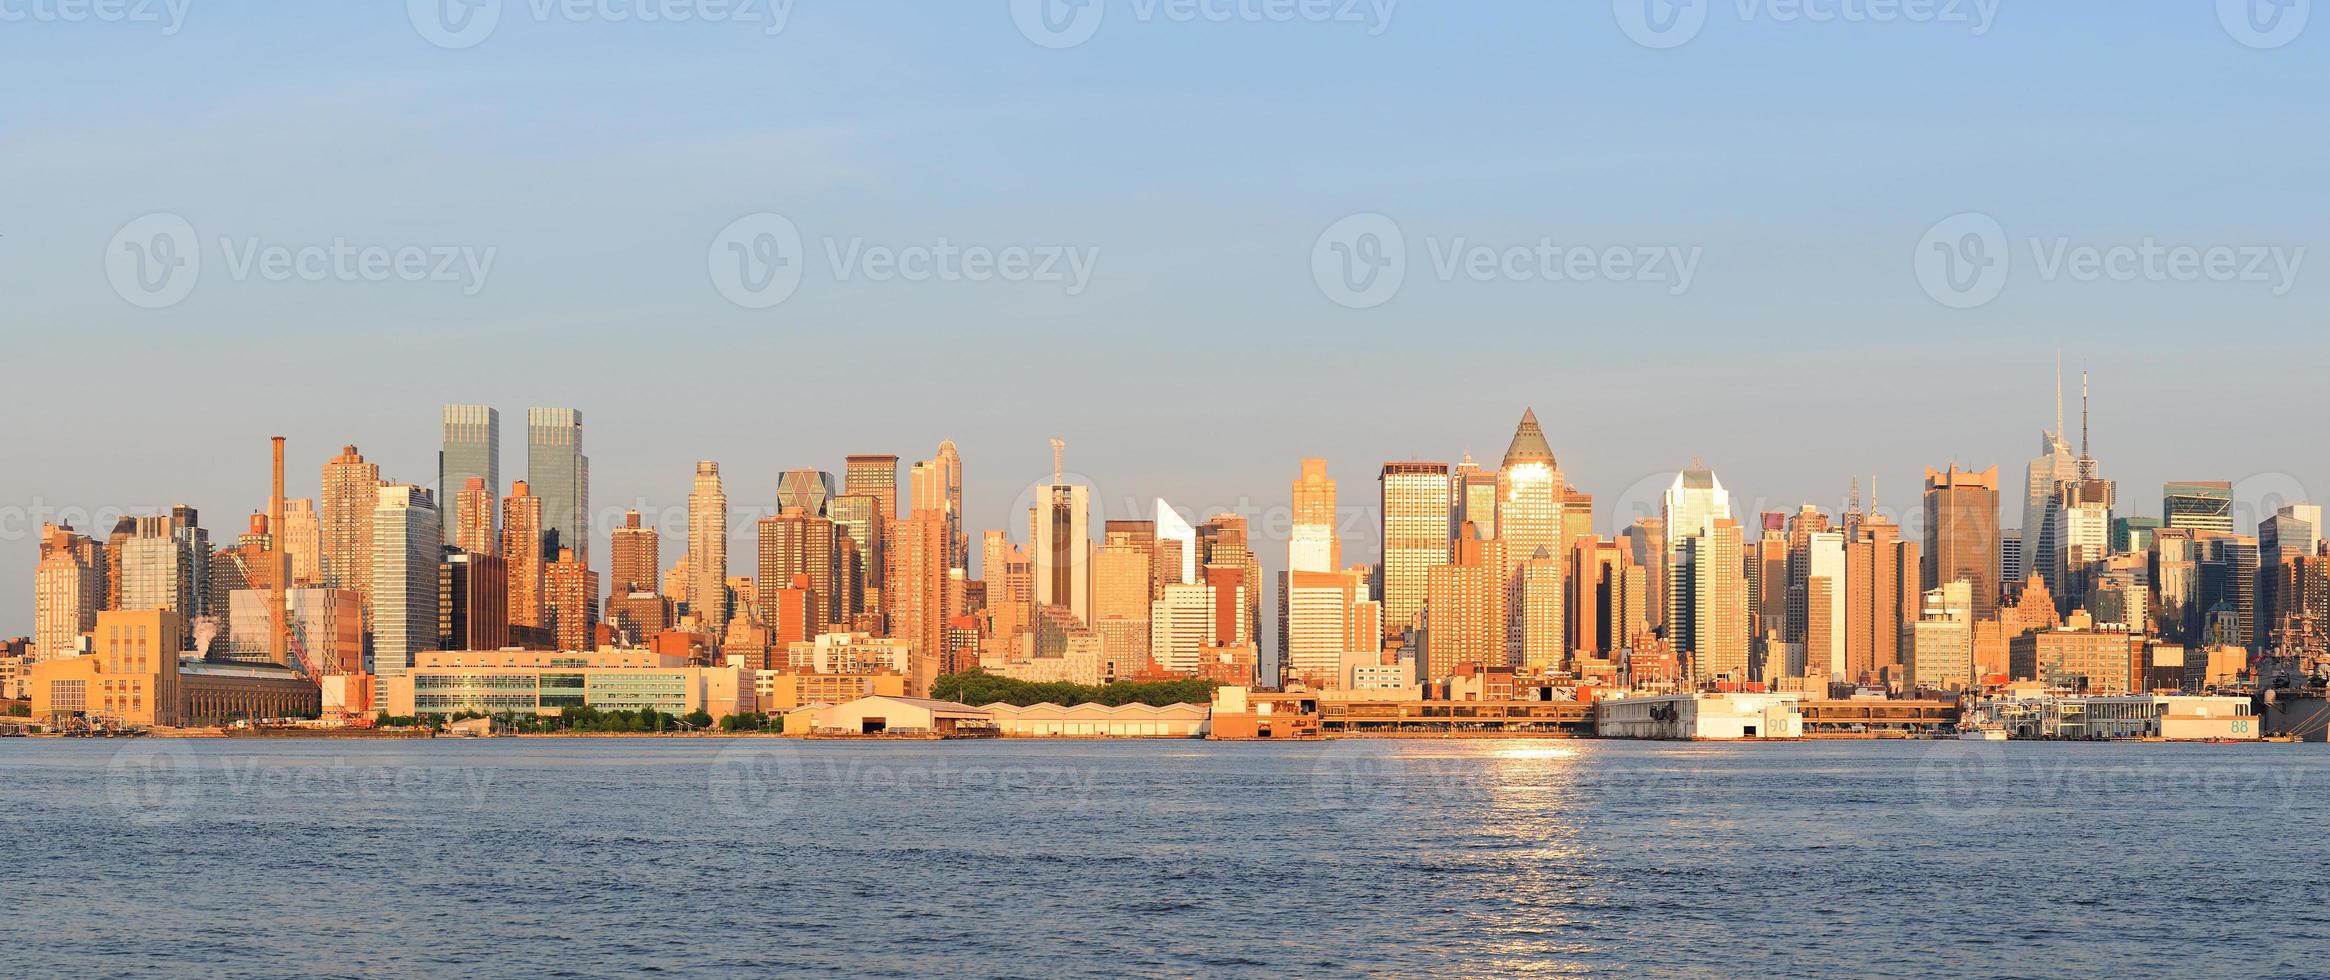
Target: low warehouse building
[(1100, 721), (1701, 717)]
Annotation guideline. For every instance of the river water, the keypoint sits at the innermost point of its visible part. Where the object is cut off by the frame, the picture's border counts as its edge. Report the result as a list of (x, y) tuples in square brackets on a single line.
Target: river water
[(584, 857)]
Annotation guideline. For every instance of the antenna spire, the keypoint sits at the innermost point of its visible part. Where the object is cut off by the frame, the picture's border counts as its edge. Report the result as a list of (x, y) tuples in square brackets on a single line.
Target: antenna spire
[(2058, 393), (1058, 447)]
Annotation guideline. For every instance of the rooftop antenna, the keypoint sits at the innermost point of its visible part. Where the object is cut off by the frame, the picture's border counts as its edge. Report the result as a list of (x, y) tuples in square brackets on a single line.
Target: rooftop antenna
[(1058, 448), (2058, 393)]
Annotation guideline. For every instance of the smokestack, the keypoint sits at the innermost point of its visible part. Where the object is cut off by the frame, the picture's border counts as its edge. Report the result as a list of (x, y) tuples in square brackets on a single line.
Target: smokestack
[(279, 561)]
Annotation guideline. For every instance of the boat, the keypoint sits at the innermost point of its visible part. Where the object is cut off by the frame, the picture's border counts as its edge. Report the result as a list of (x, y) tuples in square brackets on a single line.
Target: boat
[(1982, 733)]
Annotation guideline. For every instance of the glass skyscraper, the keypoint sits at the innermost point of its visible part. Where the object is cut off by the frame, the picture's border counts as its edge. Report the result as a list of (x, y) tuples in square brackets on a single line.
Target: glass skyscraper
[(559, 473), (473, 448)]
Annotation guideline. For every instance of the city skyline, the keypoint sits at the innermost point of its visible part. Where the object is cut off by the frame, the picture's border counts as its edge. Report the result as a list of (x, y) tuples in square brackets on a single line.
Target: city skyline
[(1358, 516)]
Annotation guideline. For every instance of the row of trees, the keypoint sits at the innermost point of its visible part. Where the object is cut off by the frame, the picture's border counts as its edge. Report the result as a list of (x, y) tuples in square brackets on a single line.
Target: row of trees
[(979, 687)]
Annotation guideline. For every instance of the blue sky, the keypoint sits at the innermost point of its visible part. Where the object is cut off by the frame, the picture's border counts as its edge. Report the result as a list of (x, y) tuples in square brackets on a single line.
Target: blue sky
[(1197, 163)]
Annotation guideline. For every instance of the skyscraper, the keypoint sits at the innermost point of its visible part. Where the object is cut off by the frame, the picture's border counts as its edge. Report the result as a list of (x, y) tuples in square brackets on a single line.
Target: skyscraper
[(1961, 533), (1464, 608), (937, 486), (873, 476), (523, 541), (473, 451), (1311, 544), (407, 541), (1694, 502), (915, 591), (808, 491), (1060, 543), (302, 538), (1530, 492), (1713, 613), (636, 556), (560, 474), (571, 595), (1882, 595), (795, 542), (473, 517), (1176, 548), (68, 592), (2201, 505), (351, 492), (1413, 508), (708, 549)]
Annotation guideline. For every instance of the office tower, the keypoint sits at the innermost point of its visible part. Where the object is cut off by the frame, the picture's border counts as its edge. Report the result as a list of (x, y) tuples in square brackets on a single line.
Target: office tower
[(1182, 626), (1646, 541), (523, 544), (936, 485), (1475, 492), (2011, 561), (637, 556), (860, 519), (1825, 590), (561, 475), (1122, 582), (873, 476), (1534, 632), (796, 542), (915, 590), (68, 592), (2133, 535), (1530, 491), (473, 451), (807, 491), (351, 492), (571, 594), (2081, 539), (1060, 543), (1577, 514), (1961, 533), (2055, 465), (473, 601), (2229, 566), (407, 542), (792, 614), (1693, 504), (1940, 640), (302, 539), (2200, 505), (1769, 591), (2176, 584), (164, 564), (1223, 541), (1609, 595), (1413, 509), (1710, 623), (2292, 532), (1464, 608), (1330, 625), (708, 549), (1882, 596), (1176, 548), (116, 543), (1311, 544), (473, 517)]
